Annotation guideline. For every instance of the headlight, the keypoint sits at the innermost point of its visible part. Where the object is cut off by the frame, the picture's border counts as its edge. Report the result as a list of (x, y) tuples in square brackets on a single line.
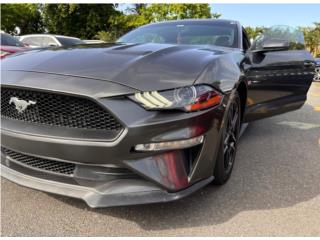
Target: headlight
[(188, 99)]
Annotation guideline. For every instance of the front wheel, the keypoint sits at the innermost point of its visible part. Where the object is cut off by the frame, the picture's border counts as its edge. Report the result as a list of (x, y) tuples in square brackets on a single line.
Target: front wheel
[(228, 143), (317, 75)]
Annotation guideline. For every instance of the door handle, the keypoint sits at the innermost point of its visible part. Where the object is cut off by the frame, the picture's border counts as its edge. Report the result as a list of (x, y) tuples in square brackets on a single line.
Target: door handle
[(309, 64)]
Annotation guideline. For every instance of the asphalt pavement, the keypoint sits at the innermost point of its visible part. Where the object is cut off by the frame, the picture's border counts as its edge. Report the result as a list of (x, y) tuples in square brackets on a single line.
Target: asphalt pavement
[(274, 191)]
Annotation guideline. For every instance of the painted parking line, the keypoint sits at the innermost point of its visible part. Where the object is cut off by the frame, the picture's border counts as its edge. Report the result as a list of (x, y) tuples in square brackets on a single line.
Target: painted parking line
[(315, 94), (299, 125), (316, 108)]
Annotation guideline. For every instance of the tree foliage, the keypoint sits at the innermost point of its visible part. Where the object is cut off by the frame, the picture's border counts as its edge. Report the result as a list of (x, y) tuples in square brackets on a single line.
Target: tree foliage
[(162, 12), (105, 22), (79, 20), (253, 32), (26, 17), (142, 14), (312, 37)]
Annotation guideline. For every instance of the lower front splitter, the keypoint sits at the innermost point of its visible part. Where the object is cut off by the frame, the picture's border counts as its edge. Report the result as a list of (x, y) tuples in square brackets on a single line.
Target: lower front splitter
[(120, 192)]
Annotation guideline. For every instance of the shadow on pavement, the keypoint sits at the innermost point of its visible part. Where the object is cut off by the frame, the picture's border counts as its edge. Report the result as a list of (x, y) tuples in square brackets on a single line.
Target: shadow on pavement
[(277, 166)]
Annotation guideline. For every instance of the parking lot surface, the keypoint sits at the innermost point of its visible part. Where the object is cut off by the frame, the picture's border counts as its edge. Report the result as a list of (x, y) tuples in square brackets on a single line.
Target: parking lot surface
[(274, 191)]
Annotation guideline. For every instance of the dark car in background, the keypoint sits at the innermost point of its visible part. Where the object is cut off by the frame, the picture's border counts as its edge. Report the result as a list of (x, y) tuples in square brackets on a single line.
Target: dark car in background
[(151, 118), (49, 40), (10, 45)]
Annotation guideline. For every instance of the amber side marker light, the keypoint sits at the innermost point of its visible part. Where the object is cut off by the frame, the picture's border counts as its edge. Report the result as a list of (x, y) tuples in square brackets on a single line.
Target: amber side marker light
[(204, 101)]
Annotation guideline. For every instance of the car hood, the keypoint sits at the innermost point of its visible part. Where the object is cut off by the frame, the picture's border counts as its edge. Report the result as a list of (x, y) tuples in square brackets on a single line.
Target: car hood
[(140, 66)]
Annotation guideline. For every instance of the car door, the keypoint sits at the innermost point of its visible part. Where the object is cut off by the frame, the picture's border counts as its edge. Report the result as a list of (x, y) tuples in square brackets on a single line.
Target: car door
[(279, 72)]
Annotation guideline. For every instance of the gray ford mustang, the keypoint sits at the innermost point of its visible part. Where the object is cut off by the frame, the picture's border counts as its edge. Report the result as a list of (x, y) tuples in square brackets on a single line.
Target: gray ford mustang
[(151, 118)]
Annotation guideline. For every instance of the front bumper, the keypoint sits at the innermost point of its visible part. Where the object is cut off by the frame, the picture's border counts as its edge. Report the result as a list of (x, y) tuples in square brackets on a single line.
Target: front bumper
[(153, 177), (145, 180), (132, 192)]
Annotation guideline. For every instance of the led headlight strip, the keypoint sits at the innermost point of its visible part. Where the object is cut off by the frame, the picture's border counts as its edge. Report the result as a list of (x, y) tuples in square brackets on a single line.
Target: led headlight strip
[(153, 99), (189, 99)]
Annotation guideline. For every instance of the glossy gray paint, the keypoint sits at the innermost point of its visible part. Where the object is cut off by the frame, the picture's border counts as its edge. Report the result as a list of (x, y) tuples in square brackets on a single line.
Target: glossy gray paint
[(140, 66), (107, 73)]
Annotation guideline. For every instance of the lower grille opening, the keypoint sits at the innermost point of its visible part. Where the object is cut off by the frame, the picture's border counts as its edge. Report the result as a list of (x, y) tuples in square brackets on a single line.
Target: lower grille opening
[(40, 163)]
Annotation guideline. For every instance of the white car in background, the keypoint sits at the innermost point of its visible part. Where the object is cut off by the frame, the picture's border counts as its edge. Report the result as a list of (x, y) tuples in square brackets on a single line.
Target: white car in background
[(49, 40), (93, 41)]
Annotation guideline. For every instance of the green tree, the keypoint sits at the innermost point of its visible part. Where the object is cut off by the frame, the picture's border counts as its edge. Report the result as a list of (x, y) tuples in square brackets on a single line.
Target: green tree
[(253, 32), (138, 7), (80, 20), (312, 38), (162, 12), (25, 17), (121, 24)]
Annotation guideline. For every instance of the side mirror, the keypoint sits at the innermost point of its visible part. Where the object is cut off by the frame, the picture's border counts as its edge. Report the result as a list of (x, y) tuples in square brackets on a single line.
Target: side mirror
[(279, 38), (275, 45)]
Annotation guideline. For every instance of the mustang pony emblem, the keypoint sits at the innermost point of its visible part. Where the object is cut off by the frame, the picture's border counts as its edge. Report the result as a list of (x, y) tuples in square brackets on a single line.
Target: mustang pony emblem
[(20, 104)]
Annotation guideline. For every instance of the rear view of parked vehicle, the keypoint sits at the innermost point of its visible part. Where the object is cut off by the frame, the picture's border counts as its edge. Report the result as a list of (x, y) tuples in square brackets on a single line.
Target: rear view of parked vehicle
[(49, 40)]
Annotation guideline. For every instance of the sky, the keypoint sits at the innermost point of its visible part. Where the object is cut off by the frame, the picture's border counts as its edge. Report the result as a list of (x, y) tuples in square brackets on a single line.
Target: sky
[(266, 14), (270, 14)]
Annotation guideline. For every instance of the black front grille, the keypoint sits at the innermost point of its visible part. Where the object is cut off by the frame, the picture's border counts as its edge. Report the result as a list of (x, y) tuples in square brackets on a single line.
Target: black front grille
[(40, 163), (56, 110)]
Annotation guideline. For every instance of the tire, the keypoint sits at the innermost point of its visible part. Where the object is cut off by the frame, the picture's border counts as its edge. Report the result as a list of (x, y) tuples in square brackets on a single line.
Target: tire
[(228, 142), (317, 75)]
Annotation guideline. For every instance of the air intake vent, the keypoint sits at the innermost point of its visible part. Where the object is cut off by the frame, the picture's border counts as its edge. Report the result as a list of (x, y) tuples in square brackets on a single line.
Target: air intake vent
[(40, 163)]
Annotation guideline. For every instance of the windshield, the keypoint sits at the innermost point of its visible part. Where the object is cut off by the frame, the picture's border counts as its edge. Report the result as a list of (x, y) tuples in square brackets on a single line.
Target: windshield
[(194, 33), (9, 40), (69, 41)]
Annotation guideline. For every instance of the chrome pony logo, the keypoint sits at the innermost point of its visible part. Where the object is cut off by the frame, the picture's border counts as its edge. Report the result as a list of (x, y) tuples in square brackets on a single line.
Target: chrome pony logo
[(20, 104)]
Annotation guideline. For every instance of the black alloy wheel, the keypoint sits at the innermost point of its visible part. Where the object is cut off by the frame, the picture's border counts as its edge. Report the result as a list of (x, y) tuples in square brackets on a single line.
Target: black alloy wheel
[(228, 145)]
